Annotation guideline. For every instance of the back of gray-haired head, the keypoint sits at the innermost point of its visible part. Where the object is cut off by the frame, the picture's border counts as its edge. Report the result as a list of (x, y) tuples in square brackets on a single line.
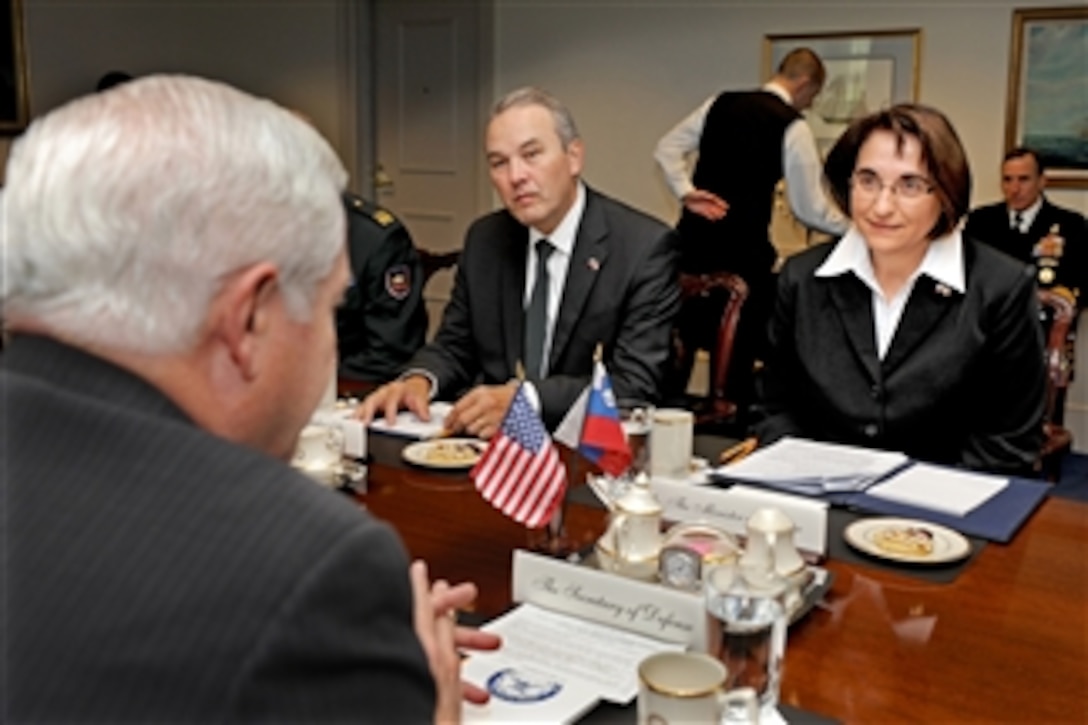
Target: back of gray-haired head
[(532, 96), (124, 212)]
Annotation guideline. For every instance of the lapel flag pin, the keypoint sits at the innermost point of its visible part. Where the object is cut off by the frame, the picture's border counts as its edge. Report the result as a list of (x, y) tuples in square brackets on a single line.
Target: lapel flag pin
[(944, 290), (593, 264)]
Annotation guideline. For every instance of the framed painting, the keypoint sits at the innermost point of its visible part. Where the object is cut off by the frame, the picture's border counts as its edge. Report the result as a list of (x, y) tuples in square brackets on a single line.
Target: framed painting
[(866, 71), (1048, 90), (14, 109)]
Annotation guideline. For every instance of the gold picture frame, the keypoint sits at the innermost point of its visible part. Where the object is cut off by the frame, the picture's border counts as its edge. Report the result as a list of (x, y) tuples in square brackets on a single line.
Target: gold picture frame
[(866, 70), (14, 106), (1047, 101)]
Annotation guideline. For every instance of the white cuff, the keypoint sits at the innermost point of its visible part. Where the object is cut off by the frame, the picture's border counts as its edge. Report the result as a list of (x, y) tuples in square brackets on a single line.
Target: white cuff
[(422, 373), (532, 395)]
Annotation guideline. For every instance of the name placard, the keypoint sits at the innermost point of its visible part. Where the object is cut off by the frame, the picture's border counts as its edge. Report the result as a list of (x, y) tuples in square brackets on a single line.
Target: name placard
[(729, 509), (598, 596)]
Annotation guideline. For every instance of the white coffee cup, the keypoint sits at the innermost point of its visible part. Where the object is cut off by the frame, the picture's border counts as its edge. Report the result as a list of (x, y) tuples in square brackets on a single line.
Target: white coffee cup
[(319, 448), (686, 687), (671, 442)]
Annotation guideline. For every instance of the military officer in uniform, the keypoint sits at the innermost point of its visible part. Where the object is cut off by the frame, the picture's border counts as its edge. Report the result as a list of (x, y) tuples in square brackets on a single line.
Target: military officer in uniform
[(1030, 228), (383, 320)]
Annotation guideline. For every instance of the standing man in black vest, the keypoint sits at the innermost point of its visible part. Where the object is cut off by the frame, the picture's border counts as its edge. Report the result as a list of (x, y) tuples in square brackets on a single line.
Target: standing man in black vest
[(746, 142)]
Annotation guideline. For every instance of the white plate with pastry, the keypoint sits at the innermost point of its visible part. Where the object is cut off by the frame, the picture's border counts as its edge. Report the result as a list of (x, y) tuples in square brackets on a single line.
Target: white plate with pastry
[(907, 540), (447, 453)]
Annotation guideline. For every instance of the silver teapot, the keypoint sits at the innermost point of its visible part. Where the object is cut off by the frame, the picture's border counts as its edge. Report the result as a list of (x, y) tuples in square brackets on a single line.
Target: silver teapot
[(632, 542)]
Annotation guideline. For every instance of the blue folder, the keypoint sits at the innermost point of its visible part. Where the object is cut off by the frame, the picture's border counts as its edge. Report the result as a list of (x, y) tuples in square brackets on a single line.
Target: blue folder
[(998, 519)]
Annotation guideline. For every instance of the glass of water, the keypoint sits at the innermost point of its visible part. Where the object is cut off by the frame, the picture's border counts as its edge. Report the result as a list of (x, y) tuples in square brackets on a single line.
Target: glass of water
[(746, 631), (637, 419)]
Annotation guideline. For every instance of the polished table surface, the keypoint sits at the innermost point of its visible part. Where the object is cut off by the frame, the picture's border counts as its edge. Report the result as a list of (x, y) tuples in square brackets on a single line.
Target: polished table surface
[(1007, 641)]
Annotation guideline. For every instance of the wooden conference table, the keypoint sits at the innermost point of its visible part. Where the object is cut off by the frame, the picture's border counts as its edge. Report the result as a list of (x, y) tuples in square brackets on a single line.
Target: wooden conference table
[(1007, 641)]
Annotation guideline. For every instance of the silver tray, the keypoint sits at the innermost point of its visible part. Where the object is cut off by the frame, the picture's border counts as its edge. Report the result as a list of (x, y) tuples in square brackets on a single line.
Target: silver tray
[(816, 583)]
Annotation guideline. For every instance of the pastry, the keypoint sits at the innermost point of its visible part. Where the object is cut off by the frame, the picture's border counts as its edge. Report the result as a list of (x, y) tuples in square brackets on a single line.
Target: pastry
[(904, 540), (451, 453)]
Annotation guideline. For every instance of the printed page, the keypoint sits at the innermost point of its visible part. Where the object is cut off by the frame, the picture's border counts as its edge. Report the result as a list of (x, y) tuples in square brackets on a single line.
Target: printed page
[(797, 459), (602, 658), (940, 489), (522, 692), (410, 426)]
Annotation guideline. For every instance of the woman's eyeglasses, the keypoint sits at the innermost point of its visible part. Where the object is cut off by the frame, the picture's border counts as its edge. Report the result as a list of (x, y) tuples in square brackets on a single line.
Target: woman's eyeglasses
[(909, 186)]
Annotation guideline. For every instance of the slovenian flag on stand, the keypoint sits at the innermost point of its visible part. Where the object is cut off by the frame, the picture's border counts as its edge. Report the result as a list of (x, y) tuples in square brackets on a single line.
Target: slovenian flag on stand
[(592, 426), (520, 473)]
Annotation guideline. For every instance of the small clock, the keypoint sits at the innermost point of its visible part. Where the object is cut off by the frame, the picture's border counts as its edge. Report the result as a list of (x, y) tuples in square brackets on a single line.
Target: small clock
[(691, 549), (680, 567)]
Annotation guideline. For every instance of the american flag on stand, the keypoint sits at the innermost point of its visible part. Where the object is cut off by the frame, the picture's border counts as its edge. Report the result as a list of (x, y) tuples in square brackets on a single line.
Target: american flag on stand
[(520, 473)]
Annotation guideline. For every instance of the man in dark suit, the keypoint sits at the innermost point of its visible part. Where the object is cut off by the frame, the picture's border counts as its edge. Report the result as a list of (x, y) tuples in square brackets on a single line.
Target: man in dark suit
[(1028, 227), (382, 320), (608, 278), (160, 564)]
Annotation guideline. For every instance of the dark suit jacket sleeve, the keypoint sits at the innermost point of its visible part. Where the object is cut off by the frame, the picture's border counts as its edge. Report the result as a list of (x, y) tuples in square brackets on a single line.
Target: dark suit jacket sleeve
[(451, 356), (781, 365), (978, 225), (394, 328), (344, 647), (638, 358), (1007, 432)]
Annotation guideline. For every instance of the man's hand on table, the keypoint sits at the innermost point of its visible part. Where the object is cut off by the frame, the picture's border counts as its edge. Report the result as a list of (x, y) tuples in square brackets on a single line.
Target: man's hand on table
[(413, 393), (480, 411), (435, 612)]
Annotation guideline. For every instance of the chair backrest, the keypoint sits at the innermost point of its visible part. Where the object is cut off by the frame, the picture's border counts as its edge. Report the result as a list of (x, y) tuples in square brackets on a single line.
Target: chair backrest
[(432, 262), (736, 291), (1060, 311)]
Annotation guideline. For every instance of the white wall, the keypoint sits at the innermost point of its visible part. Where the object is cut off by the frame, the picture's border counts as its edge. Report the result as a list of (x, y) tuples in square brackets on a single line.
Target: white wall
[(291, 52), (629, 71)]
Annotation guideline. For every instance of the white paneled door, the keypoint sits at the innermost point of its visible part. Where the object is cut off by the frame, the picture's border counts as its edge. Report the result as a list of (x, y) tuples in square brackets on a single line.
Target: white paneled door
[(429, 123)]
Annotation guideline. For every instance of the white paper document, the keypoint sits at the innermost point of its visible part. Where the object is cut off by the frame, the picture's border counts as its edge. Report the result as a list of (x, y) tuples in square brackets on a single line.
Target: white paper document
[(410, 426), (939, 489), (524, 693), (813, 466), (576, 652)]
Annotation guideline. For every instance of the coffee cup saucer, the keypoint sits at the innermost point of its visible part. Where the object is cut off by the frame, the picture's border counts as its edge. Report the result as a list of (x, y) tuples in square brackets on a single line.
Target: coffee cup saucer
[(340, 474)]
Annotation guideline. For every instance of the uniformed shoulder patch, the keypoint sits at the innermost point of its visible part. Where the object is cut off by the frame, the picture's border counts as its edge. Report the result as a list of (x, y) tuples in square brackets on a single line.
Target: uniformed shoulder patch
[(383, 217), (398, 281)]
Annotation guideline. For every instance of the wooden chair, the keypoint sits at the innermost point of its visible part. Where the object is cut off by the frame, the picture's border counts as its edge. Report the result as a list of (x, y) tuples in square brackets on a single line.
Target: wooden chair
[(434, 261), (1060, 312), (716, 408)]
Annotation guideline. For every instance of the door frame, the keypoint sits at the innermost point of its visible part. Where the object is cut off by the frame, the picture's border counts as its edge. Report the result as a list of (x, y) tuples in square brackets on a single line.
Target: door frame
[(359, 110)]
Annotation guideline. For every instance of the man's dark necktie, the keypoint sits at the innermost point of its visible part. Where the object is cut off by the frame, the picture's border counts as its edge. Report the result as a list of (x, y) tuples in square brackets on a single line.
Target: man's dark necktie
[(1017, 220), (536, 314)]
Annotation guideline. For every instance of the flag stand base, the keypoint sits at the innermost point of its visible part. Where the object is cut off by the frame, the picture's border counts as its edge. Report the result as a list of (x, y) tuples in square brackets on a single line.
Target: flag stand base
[(552, 539)]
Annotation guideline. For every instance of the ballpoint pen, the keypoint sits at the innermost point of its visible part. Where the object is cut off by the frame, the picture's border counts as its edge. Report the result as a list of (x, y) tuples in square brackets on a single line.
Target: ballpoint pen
[(739, 451)]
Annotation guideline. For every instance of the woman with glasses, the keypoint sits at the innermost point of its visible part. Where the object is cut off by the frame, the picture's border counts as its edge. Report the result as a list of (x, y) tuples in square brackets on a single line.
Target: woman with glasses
[(904, 335)]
